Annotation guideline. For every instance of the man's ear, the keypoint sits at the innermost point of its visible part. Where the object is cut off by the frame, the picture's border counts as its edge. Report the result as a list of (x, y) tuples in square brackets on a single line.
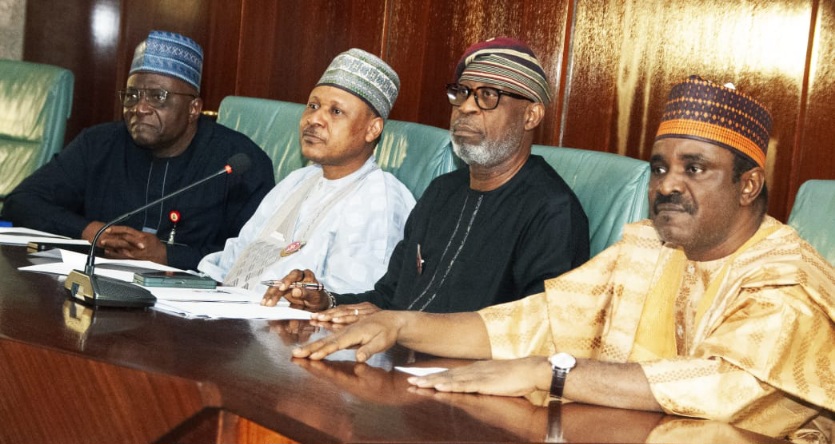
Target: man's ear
[(374, 129), (534, 113), (194, 109), (751, 182)]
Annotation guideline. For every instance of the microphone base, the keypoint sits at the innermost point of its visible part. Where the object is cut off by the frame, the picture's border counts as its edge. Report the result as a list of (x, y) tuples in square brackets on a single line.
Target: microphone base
[(102, 291)]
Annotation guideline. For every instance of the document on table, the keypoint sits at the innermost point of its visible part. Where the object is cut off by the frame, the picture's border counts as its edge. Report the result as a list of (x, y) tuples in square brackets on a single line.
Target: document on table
[(22, 236), (420, 371), (221, 303), (122, 269)]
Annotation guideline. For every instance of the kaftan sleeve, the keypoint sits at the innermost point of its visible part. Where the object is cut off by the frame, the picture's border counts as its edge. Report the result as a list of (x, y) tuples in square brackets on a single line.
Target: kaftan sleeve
[(569, 316), (766, 366)]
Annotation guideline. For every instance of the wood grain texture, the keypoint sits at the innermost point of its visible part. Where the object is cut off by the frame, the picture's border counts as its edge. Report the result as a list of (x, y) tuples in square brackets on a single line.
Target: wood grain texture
[(610, 62), (812, 156), (88, 401), (286, 45), (71, 374)]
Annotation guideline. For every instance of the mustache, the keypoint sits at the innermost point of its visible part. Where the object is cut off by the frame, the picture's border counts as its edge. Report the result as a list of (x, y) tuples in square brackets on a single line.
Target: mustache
[(461, 122), (310, 131), (672, 199)]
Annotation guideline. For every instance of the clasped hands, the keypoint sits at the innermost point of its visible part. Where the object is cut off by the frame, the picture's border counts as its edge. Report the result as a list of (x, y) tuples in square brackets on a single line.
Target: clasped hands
[(314, 300), (123, 242)]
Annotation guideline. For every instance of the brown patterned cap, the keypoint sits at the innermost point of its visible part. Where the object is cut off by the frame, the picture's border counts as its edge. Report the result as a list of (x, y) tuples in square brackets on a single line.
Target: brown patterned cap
[(702, 110), (508, 63)]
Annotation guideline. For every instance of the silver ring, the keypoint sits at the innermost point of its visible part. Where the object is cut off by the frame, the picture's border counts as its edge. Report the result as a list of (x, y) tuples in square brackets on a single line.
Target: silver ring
[(356, 312)]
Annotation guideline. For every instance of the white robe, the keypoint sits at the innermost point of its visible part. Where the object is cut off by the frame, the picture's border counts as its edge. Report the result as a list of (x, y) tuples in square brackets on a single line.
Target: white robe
[(349, 249)]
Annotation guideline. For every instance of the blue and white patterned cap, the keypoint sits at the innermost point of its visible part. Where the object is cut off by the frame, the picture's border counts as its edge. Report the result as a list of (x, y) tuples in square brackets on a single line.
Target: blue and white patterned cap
[(169, 54), (365, 76)]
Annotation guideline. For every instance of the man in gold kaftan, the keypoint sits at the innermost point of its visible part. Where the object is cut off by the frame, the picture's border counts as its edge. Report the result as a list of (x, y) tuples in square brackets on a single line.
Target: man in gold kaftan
[(760, 355), (710, 310)]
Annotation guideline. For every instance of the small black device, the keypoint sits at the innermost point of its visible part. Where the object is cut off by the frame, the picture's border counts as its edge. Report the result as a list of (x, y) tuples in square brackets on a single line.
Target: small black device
[(177, 279)]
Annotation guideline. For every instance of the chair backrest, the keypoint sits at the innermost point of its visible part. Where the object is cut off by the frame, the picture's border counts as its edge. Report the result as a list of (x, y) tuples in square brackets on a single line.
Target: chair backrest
[(412, 152), (415, 153), (271, 124), (35, 103), (612, 189), (813, 216)]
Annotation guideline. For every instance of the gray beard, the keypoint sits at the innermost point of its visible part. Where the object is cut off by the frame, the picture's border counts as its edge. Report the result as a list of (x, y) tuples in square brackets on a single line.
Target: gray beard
[(490, 152)]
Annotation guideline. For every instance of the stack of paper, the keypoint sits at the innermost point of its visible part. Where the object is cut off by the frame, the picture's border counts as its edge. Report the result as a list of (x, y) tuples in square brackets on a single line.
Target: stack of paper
[(22, 236), (221, 302)]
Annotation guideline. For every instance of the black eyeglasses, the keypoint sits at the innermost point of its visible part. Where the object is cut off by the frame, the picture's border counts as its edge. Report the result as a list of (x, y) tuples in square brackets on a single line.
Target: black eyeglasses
[(486, 97), (156, 97)]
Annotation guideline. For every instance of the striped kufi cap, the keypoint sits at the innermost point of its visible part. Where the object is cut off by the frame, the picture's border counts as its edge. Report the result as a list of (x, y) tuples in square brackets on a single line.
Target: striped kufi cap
[(702, 110), (507, 63), (365, 76), (169, 54)]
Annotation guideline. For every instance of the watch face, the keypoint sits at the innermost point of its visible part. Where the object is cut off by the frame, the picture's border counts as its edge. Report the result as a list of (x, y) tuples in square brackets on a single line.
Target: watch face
[(562, 361)]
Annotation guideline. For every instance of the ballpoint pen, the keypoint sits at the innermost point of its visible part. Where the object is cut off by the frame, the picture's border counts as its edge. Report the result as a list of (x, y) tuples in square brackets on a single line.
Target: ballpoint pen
[(306, 285)]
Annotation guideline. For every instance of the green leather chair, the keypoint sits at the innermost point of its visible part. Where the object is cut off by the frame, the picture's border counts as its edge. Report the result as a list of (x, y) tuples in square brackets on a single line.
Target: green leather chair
[(412, 152), (35, 103), (415, 153), (271, 124), (612, 189), (813, 216)]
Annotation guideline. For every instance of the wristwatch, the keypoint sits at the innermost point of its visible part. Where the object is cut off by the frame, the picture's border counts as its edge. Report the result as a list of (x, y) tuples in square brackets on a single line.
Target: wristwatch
[(561, 364)]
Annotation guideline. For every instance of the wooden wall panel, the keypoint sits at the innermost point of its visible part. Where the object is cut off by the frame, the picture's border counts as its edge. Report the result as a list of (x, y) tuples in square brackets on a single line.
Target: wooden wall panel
[(627, 54), (82, 36), (813, 153), (610, 62), (220, 76), (286, 45)]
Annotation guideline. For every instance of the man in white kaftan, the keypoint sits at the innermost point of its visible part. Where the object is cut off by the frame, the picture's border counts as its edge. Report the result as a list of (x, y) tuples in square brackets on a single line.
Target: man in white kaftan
[(352, 240), (341, 216)]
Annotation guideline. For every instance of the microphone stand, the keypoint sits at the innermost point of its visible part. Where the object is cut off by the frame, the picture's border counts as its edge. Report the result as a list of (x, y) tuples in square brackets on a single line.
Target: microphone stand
[(103, 291)]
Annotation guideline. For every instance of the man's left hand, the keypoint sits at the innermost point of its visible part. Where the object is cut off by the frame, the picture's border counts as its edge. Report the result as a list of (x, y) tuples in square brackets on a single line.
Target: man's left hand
[(346, 314), (122, 242), (514, 377)]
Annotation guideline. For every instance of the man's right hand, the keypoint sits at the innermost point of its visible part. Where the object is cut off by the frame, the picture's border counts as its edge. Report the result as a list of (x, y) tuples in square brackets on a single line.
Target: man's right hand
[(375, 333), (312, 300), (90, 231)]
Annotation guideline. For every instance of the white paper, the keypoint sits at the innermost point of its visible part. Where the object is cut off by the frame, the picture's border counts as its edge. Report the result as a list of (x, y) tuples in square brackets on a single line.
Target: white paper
[(24, 235), (421, 371), (219, 294), (222, 303), (230, 310), (29, 232), (72, 260)]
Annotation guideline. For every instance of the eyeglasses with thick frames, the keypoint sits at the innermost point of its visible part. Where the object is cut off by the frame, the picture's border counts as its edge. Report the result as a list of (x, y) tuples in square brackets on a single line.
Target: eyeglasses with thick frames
[(156, 97), (486, 97)]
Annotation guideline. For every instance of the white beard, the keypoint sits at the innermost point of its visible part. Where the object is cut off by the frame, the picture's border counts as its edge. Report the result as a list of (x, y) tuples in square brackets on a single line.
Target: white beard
[(490, 152)]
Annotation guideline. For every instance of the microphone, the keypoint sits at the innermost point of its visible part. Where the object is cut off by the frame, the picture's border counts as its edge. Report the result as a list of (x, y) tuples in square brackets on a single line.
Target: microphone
[(103, 291)]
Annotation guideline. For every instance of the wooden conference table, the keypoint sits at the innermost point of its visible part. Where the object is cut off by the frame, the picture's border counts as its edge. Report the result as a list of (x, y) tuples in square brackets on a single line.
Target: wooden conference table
[(70, 374)]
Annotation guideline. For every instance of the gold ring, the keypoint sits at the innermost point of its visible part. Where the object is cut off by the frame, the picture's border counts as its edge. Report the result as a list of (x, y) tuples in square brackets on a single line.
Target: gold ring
[(356, 312)]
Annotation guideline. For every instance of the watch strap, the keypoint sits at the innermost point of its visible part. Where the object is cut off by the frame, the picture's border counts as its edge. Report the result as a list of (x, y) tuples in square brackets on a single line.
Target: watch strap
[(558, 382)]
